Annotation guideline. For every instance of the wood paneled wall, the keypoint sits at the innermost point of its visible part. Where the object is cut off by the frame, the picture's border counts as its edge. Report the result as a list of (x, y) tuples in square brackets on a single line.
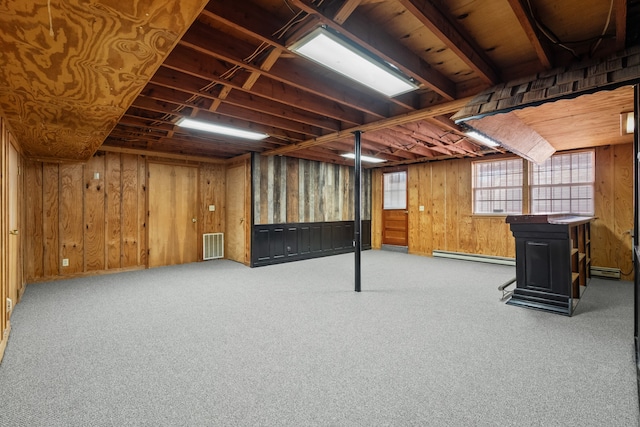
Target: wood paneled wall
[(611, 232), (290, 190), (94, 214), (447, 222)]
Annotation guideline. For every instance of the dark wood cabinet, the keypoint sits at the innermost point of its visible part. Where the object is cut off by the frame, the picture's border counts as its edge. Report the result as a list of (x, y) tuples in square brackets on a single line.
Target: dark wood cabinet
[(553, 260)]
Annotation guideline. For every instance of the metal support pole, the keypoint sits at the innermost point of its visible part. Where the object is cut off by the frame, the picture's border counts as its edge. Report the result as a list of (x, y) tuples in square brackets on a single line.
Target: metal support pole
[(357, 226)]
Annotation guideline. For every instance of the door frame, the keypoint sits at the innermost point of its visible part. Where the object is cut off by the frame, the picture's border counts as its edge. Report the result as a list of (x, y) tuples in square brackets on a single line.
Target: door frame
[(246, 162), (405, 210)]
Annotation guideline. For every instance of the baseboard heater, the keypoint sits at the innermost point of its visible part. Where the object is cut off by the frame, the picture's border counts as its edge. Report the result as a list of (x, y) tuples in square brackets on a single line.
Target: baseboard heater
[(606, 272), (475, 257)]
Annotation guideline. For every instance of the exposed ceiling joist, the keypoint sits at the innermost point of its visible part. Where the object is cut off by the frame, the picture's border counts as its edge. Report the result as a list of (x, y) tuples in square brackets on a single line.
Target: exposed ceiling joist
[(446, 108), (453, 36), (361, 32), (542, 51)]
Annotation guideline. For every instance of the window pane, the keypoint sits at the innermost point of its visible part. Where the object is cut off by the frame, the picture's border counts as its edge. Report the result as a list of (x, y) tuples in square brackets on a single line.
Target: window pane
[(563, 184), (497, 186), (395, 190)]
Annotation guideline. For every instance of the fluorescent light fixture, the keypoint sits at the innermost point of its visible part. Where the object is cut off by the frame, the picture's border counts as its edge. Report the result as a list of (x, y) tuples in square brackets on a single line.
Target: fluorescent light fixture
[(329, 50), (222, 130), (363, 158), (627, 123), (482, 139)]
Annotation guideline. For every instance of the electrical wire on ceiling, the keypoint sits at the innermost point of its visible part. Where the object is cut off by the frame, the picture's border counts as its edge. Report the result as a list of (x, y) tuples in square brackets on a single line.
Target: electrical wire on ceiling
[(231, 72), (549, 34), (604, 31)]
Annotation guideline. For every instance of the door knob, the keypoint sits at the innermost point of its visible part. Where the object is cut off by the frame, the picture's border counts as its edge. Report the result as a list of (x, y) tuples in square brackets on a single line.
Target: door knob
[(14, 232), (194, 220)]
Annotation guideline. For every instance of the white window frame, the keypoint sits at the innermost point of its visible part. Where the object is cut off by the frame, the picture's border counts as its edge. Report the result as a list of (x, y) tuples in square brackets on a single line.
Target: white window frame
[(394, 186), (564, 184), (497, 186)]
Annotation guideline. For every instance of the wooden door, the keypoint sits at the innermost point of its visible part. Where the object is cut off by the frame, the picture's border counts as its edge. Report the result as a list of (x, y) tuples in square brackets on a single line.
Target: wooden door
[(395, 216), (15, 261), (235, 242), (173, 231)]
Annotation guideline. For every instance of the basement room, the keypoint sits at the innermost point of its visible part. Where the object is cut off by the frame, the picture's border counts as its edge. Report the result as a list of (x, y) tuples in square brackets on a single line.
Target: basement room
[(319, 212)]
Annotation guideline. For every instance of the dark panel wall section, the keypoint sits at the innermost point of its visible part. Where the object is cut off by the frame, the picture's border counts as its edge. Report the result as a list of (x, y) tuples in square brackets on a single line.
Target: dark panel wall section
[(278, 243)]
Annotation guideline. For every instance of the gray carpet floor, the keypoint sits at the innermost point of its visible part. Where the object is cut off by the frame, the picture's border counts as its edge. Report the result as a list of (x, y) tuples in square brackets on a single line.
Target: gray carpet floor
[(427, 343)]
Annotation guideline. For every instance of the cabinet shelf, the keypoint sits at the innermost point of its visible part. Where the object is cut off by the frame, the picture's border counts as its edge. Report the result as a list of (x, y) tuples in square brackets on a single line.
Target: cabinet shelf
[(553, 259)]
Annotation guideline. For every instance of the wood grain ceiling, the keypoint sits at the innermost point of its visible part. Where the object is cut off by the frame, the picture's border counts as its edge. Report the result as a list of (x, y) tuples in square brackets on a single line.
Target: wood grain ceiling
[(233, 67)]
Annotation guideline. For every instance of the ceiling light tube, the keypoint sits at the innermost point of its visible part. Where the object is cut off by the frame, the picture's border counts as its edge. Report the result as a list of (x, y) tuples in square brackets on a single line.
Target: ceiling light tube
[(482, 139), (363, 158), (219, 129), (331, 51)]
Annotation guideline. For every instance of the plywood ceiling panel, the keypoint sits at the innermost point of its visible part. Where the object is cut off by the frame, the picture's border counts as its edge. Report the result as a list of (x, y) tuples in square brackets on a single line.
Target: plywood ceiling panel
[(69, 69)]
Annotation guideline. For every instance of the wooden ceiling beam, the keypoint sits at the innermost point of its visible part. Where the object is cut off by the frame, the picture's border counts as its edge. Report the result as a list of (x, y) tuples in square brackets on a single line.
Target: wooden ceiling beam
[(282, 96), (151, 153), (213, 42), (197, 137), (436, 110), (454, 37), (171, 108), (423, 131), (339, 147), (408, 137), (218, 143), (526, 22), (374, 144), (345, 10), (240, 111), (360, 31), (412, 148), (621, 23)]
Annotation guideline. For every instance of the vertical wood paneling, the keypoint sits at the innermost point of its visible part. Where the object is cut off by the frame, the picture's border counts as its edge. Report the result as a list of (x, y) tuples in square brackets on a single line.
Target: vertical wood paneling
[(212, 184), (602, 238), (415, 216), (345, 193), (34, 240), (613, 197), (376, 209), (464, 200), (296, 190), (438, 204), (114, 209), (263, 196), (68, 210), (51, 219), (94, 255), (293, 191), (142, 211), (623, 206), (4, 256), (451, 218), (420, 223), (129, 178), (71, 217), (317, 185), (310, 200)]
